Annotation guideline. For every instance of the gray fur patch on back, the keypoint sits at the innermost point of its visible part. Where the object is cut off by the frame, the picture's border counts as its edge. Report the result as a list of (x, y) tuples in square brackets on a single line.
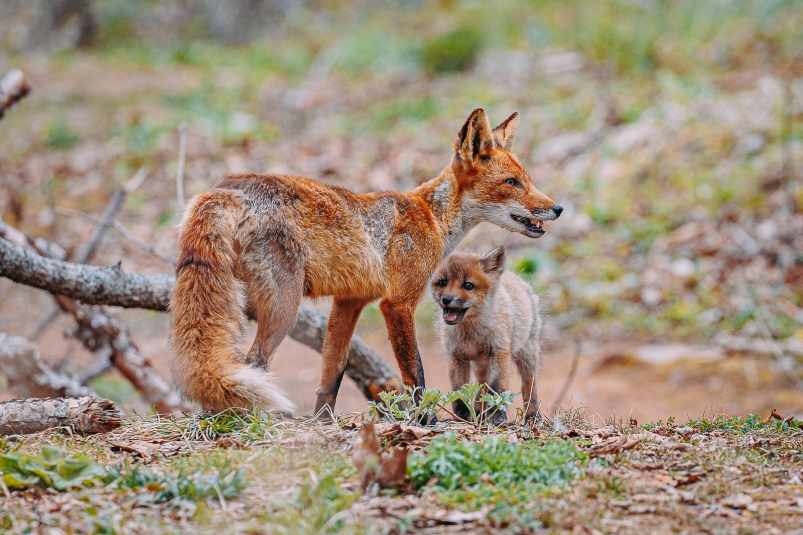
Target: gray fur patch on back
[(378, 221)]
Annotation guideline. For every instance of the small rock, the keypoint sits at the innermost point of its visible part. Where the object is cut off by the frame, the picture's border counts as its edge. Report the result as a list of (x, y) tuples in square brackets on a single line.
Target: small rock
[(737, 501)]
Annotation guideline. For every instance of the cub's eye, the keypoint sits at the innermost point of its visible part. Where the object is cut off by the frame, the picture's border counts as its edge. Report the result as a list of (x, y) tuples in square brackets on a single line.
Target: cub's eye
[(468, 286), (513, 182), (442, 283)]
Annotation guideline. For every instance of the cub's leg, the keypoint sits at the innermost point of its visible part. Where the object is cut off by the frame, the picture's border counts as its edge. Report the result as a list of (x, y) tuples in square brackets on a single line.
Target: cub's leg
[(459, 374), (497, 379), (527, 362), (342, 321)]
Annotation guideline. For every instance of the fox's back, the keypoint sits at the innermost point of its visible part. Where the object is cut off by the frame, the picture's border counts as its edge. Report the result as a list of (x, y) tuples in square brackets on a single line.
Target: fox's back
[(347, 239)]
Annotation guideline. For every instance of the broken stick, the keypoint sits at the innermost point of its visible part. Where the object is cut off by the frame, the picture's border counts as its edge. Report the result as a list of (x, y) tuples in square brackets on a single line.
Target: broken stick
[(82, 415)]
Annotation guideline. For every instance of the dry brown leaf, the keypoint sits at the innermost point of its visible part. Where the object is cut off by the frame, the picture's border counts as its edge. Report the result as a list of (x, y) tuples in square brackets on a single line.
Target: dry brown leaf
[(386, 471), (135, 447), (612, 445)]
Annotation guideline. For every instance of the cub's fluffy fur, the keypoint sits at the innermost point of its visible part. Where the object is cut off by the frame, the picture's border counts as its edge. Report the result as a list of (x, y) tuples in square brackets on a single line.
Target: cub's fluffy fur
[(490, 317)]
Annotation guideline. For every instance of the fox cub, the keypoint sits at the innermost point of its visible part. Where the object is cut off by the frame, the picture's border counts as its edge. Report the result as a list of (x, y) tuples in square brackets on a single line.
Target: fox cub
[(490, 316)]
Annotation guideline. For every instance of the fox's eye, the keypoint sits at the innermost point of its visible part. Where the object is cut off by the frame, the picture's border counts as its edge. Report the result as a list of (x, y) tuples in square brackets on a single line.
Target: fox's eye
[(442, 283), (468, 286), (513, 182)]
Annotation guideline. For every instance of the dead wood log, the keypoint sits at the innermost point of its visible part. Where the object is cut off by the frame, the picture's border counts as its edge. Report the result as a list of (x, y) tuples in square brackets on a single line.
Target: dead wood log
[(110, 285), (32, 378), (13, 87), (82, 415)]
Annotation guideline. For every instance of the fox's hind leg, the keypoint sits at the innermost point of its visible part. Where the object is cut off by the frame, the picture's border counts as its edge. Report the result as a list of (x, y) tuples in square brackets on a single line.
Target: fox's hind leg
[(342, 321), (275, 289)]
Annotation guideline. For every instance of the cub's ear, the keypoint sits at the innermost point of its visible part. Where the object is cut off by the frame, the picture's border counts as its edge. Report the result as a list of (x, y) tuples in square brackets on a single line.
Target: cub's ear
[(504, 134), (494, 261), (473, 141)]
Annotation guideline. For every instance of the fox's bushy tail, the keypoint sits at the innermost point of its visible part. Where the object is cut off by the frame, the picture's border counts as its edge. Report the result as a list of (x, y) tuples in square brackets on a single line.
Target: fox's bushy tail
[(208, 313)]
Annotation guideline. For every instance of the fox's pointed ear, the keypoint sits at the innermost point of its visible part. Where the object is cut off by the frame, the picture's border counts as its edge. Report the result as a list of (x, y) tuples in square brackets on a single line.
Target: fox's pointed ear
[(505, 133), (474, 140), (494, 261)]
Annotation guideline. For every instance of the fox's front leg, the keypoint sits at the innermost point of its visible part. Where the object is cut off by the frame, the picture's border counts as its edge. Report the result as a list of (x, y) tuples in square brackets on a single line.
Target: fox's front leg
[(400, 320), (335, 352)]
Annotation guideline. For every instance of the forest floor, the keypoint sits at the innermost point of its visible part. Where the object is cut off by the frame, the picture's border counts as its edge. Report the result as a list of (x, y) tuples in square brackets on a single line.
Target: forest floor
[(258, 474)]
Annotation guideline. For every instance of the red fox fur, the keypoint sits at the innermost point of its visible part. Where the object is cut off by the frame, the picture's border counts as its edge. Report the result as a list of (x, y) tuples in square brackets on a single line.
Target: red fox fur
[(490, 317), (261, 243)]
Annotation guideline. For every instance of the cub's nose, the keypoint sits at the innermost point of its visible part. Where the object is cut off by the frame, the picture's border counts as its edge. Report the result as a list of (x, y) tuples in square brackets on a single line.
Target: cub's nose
[(558, 209), (446, 300)]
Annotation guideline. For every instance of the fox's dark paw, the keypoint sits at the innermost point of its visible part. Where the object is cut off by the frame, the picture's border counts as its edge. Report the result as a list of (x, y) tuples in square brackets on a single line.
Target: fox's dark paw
[(426, 420), (534, 417), (498, 419)]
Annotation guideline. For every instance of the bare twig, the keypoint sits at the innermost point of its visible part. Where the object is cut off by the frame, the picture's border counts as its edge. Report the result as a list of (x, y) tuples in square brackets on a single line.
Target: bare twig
[(127, 234), (108, 215), (572, 372), (182, 153), (13, 87)]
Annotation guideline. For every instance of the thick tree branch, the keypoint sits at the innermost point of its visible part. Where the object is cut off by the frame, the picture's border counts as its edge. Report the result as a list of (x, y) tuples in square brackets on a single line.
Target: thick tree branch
[(94, 285)]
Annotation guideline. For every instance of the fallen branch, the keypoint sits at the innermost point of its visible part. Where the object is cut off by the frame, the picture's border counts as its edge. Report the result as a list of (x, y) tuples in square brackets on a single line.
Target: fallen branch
[(13, 87), (24, 370), (82, 415), (110, 285), (95, 285)]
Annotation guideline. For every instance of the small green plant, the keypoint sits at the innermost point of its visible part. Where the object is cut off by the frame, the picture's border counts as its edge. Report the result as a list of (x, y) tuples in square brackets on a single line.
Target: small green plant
[(314, 508), (187, 485), (495, 473), (246, 427), (450, 52), (49, 468), (737, 424), (420, 404), (60, 135)]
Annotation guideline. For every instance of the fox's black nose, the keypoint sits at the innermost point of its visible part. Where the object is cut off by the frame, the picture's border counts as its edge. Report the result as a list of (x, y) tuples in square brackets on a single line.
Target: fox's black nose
[(558, 209), (446, 300)]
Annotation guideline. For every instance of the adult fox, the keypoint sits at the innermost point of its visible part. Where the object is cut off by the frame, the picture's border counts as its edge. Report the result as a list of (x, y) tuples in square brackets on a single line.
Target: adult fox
[(261, 243)]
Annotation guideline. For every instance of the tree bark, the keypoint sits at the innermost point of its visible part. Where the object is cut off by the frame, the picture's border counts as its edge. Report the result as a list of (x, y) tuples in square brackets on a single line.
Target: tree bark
[(83, 415), (110, 285), (32, 378)]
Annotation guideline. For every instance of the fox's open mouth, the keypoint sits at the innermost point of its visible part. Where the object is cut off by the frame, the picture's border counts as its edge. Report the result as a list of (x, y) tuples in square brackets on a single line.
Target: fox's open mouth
[(452, 316), (535, 227)]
